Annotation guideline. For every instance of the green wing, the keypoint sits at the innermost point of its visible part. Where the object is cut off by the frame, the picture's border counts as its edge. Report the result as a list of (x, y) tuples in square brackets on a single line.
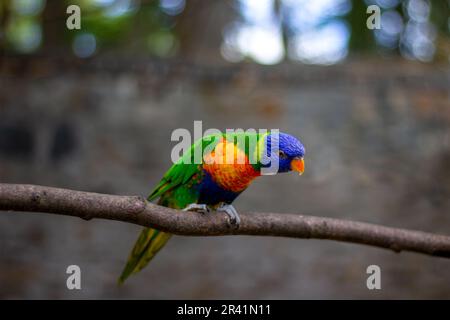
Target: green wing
[(184, 169)]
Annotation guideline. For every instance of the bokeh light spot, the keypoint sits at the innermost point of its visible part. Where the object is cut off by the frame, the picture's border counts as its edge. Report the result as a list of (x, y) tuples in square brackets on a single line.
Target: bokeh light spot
[(28, 7), (84, 45), (325, 45), (418, 10), (25, 34), (172, 7)]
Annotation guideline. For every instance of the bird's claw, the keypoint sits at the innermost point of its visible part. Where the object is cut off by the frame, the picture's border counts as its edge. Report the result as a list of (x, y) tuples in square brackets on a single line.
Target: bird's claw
[(201, 208), (234, 220)]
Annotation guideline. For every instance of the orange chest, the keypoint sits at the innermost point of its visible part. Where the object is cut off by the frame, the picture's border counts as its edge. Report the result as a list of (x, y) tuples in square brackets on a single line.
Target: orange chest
[(229, 167)]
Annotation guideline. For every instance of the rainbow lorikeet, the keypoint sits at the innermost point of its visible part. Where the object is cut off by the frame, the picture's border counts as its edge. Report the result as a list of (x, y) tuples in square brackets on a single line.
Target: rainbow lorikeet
[(214, 184)]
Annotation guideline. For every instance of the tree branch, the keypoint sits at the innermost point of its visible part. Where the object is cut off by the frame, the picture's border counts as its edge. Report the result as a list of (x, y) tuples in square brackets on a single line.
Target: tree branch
[(137, 210)]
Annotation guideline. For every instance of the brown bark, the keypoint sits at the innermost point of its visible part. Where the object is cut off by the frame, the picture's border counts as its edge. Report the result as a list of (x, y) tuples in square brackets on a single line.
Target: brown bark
[(132, 209)]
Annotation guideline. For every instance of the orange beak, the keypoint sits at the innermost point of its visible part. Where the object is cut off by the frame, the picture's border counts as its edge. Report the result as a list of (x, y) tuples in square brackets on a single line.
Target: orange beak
[(298, 164)]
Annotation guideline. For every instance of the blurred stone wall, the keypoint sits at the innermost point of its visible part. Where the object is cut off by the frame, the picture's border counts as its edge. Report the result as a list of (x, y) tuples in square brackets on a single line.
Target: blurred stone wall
[(378, 150)]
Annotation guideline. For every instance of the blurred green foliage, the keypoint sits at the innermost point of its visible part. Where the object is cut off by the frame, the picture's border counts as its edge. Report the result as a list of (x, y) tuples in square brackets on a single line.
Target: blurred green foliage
[(152, 27)]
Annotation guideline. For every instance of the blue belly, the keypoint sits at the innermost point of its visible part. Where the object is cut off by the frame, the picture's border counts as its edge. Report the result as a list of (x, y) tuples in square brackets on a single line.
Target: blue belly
[(212, 194)]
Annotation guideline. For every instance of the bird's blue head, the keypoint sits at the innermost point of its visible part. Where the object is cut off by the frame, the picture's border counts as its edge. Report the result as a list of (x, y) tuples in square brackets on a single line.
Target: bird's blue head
[(285, 150)]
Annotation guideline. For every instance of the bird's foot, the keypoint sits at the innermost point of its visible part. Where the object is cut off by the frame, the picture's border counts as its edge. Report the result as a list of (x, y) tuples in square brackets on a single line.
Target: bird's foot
[(197, 207), (235, 220)]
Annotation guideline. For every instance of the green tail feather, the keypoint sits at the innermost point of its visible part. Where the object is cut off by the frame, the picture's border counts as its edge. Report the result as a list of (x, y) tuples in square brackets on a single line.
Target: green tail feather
[(147, 246)]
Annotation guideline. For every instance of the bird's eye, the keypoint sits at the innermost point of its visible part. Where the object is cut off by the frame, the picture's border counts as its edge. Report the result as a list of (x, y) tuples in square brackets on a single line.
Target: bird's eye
[(282, 155)]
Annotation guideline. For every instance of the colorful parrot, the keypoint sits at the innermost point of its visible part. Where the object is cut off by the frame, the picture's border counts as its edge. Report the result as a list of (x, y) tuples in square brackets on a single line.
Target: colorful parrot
[(213, 184)]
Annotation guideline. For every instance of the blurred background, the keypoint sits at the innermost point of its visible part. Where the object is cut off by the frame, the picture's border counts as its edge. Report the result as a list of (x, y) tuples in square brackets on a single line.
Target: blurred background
[(93, 109)]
